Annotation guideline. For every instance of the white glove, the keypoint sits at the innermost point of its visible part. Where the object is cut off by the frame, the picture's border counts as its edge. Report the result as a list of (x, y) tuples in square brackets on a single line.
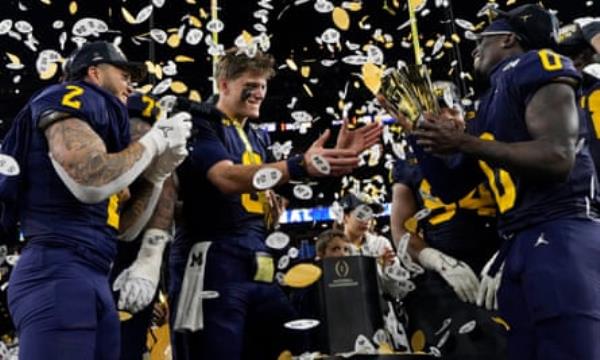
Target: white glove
[(590, 27), (488, 289), (137, 284), (456, 273), (165, 164), (168, 133)]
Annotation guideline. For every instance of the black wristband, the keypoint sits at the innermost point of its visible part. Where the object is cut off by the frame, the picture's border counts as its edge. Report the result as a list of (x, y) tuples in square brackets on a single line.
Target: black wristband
[(296, 168)]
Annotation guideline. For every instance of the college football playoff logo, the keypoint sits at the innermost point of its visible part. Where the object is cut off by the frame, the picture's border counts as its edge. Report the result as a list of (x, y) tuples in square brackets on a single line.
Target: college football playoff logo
[(342, 269)]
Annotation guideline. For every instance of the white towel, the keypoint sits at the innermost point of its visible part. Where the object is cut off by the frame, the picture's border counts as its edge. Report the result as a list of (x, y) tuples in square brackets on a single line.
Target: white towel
[(189, 308)]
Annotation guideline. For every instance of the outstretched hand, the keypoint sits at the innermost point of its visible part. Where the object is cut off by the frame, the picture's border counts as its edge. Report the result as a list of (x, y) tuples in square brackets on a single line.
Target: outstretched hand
[(359, 139), (341, 161)]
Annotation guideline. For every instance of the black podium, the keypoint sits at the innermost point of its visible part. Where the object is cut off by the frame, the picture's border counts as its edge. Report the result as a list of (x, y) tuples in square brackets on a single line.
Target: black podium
[(349, 302)]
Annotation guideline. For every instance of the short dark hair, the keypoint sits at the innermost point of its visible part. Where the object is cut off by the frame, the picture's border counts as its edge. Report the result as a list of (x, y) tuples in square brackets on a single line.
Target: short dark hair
[(328, 236), (235, 62)]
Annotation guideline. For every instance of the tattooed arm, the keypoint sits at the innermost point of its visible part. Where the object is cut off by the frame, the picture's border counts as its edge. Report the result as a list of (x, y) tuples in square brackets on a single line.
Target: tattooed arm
[(80, 158), (147, 199)]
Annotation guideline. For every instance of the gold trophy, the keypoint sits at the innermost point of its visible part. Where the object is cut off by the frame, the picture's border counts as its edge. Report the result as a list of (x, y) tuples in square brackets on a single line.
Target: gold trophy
[(408, 92)]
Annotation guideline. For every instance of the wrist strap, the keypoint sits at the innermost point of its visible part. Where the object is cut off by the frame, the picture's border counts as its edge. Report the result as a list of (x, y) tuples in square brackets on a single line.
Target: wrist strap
[(296, 168)]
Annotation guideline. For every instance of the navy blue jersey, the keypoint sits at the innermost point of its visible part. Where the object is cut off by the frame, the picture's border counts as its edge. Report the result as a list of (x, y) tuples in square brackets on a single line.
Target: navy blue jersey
[(465, 229), (501, 116), (590, 105), (48, 210), (209, 214)]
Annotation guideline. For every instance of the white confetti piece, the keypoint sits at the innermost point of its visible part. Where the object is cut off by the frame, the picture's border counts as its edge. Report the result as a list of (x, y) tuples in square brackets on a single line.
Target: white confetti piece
[(23, 26), (321, 164), (194, 36), (330, 36), (143, 14), (303, 192), (266, 178), (5, 26), (162, 86), (302, 324), (158, 35), (324, 6), (215, 25), (277, 240), (467, 327), (8, 166)]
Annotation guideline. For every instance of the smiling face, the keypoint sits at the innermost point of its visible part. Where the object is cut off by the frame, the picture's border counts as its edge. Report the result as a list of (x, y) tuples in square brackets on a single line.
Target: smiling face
[(240, 98), (113, 79)]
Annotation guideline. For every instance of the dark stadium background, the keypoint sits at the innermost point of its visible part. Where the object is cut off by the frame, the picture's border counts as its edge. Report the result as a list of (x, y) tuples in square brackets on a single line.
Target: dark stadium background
[(292, 26)]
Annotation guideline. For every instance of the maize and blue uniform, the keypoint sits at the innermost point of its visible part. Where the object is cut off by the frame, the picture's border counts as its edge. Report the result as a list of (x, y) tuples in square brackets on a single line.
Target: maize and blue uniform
[(590, 105), (549, 293), (465, 230), (134, 332), (59, 295), (247, 318)]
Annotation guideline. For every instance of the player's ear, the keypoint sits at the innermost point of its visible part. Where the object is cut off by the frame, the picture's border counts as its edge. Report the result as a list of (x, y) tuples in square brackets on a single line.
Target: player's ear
[(510, 40)]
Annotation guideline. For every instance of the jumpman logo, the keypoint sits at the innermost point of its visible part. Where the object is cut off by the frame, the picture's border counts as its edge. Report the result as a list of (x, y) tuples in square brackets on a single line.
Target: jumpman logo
[(541, 241)]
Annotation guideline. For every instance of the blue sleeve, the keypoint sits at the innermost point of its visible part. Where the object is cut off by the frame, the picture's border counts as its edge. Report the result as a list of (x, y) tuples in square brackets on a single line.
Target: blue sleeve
[(405, 173), (538, 68), (207, 148), (451, 178), (75, 98)]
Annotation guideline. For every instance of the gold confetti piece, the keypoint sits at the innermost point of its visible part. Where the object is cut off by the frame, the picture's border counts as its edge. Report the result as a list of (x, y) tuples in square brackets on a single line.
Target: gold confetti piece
[(193, 2), (501, 321), (150, 67), (371, 74), (411, 224), (417, 4), (307, 89), (305, 71), (194, 21), (385, 348), (127, 15), (47, 2), (159, 72), (429, 43), (73, 8), (455, 38), (341, 19), (195, 95), (352, 5), (285, 355), (417, 340), (124, 315), (203, 14), (184, 58), (50, 71), (247, 37), (291, 64), (178, 87), (13, 58), (302, 275), (510, 2), (174, 40), (448, 45), (145, 89)]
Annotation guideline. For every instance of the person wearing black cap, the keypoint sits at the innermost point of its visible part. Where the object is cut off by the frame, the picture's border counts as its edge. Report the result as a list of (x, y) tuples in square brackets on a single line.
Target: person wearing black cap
[(581, 42), (525, 141), (73, 145), (357, 221)]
